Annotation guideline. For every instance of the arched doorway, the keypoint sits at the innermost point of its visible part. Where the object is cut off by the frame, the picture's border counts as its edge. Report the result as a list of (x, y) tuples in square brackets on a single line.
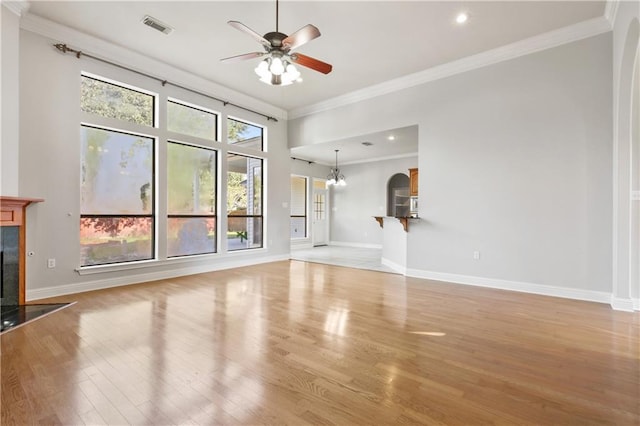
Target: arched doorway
[(398, 195), (626, 189)]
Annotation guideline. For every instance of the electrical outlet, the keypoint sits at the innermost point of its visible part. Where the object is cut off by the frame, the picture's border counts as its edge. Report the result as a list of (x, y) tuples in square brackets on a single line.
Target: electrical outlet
[(51, 263), (476, 255)]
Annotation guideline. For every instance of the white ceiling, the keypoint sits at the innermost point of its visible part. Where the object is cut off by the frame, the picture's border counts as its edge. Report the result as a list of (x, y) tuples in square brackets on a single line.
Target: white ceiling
[(392, 143), (367, 42)]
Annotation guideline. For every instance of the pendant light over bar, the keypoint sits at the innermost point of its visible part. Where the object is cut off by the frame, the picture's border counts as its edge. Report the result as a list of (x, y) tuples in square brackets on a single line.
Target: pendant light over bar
[(335, 177)]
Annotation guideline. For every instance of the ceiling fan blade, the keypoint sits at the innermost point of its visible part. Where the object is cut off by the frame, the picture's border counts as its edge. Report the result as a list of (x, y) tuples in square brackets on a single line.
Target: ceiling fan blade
[(300, 37), (242, 27), (242, 57), (309, 62)]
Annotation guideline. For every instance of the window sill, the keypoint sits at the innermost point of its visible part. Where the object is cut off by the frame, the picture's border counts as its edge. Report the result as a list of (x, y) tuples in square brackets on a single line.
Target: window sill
[(117, 267)]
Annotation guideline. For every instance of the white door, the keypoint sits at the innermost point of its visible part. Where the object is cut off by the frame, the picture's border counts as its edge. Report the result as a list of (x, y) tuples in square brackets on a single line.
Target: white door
[(320, 217)]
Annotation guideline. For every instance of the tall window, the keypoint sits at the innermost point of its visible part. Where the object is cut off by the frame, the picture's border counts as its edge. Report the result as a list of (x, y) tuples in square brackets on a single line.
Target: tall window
[(117, 197), (121, 139), (117, 222), (191, 181), (191, 176), (244, 202), (298, 207)]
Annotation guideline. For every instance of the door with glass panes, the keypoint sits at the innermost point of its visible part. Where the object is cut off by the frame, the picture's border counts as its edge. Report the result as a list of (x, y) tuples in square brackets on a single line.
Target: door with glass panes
[(320, 213)]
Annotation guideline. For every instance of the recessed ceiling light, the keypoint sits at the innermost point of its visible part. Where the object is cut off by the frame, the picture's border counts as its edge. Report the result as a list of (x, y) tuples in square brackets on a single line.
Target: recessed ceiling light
[(391, 138), (462, 18)]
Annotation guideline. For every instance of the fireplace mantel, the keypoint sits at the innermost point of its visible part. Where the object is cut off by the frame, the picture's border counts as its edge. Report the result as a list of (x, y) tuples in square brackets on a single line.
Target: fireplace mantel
[(13, 213)]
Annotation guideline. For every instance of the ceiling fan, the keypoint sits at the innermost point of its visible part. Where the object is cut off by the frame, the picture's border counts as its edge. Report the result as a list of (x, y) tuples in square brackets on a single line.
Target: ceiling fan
[(277, 68)]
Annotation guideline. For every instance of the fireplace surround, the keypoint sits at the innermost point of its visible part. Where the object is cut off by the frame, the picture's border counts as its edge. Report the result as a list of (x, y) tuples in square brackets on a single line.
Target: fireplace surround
[(12, 256)]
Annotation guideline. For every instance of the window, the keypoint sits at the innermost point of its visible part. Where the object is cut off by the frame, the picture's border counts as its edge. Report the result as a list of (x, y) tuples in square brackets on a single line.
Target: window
[(191, 121), (244, 134), (129, 157), (191, 176), (117, 197), (113, 101), (244, 202), (298, 207)]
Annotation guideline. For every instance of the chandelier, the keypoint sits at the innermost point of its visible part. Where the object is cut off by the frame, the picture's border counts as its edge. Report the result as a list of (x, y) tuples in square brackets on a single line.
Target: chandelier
[(335, 177), (277, 69)]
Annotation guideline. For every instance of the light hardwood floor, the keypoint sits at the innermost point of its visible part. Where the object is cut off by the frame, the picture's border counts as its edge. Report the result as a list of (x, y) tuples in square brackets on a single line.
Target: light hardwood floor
[(302, 343)]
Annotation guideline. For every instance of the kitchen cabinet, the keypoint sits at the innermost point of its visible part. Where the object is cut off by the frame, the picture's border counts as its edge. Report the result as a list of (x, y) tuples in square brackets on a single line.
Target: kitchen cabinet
[(413, 182)]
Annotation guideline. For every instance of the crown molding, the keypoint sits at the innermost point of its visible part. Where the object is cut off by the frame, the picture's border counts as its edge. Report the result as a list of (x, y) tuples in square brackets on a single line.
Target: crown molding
[(611, 11), (385, 158), (138, 61), (527, 46), (19, 7)]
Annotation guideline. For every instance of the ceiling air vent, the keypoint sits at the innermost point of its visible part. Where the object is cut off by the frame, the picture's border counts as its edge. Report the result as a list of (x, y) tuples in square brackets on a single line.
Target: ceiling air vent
[(152, 22), (367, 143)]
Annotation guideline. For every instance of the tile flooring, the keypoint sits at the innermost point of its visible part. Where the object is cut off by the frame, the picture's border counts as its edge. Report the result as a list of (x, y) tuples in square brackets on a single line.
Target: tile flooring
[(353, 257)]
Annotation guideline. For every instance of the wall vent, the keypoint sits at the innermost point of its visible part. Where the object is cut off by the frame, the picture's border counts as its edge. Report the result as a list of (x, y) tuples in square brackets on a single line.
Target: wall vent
[(152, 22)]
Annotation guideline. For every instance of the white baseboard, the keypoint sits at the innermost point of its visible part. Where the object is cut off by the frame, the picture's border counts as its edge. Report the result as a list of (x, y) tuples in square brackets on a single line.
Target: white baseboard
[(636, 304), (356, 245), (395, 266), (301, 245), (66, 289), (546, 290), (626, 305)]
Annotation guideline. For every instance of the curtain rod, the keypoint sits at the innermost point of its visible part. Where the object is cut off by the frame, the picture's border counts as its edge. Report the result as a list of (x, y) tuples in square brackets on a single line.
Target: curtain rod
[(302, 159), (64, 49)]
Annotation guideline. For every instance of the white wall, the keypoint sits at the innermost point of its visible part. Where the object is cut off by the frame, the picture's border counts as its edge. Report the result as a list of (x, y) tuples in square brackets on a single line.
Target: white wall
[(9, 78), (515, 162), (50, 168), (365, 196)]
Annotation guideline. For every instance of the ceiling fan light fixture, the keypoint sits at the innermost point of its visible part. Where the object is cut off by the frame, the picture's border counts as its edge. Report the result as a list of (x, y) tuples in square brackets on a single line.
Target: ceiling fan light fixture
[(263, 69), (277, 69)]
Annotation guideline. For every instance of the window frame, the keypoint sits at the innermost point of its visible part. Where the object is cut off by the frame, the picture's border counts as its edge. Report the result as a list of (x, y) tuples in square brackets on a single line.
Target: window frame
[(263, 135), (246, 216), (154, 199), (216, 114), (306, 208), (154, 96), (160, 135), (217, 192)]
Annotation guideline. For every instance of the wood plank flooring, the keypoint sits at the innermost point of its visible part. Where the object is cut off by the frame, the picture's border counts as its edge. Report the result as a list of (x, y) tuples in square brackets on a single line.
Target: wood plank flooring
[(301, 343)]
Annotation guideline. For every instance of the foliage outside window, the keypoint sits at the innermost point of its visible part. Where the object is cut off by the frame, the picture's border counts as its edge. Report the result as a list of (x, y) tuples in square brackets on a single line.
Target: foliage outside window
[(298, 207), (244, 134), (118, 209), (244, 202), (113, 101), (117, 197), (191, 175), (191, 121)]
